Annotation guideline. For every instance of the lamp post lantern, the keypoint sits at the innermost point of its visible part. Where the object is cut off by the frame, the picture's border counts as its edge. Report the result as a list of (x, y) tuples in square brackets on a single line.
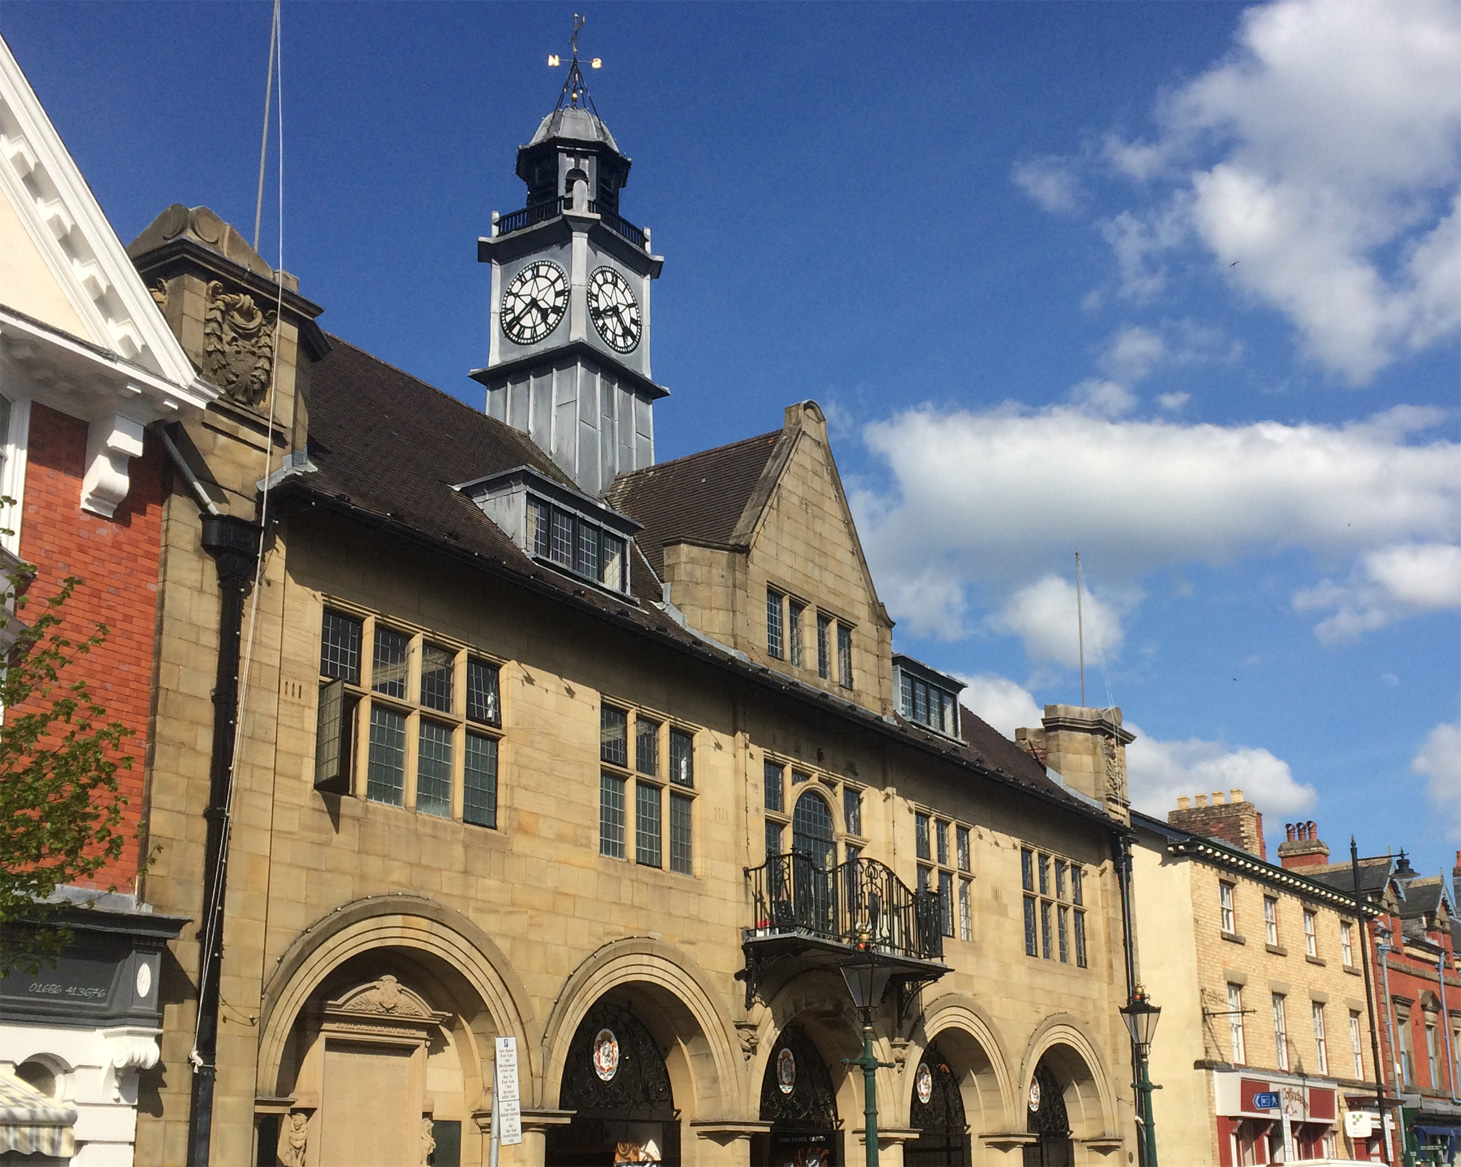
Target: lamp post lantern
[(866, 981), (1141, 1016)]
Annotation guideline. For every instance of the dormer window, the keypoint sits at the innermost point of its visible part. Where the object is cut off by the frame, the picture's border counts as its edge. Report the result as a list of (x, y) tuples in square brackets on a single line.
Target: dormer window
[(927, 697), (557, 525)]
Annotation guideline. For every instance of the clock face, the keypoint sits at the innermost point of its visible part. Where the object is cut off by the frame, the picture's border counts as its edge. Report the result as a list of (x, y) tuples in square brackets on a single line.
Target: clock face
[(614, 310), (534, 302)]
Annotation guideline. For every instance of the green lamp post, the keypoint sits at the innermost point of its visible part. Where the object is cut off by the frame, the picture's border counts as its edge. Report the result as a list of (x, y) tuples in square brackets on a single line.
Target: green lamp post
[(866, 981), (1141, 1016)]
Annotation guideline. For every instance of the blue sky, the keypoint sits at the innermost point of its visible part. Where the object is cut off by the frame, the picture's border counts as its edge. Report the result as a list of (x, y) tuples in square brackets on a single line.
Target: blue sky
[(1174, 285)]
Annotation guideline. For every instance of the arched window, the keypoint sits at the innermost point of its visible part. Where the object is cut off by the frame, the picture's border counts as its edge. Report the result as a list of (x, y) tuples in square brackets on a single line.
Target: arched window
[(812, 831), (937, 1113)]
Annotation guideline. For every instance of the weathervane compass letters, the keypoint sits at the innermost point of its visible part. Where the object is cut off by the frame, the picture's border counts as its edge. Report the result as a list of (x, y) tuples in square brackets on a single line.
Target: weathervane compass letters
[(574, 87)]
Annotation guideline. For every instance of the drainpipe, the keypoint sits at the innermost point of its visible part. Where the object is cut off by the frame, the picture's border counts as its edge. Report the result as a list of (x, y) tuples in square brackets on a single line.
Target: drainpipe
[(234, 545), (1122, 856), (1370, 999), (1446, 1027), (1386, 948)]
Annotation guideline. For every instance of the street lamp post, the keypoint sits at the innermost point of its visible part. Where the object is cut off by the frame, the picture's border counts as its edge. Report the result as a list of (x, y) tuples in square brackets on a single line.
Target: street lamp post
[(866, 982), (1141, 1016)]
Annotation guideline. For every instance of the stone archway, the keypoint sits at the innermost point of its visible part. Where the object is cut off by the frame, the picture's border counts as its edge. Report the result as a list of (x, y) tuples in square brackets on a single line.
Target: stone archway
[(617, 1085), (1070, 1103), (799, 1100), (936, 1112), (381, 1018), (669, 993), (972, 1047)]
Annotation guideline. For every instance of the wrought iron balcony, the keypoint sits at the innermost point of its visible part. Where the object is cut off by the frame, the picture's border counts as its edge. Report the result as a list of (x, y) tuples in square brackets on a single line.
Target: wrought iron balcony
[(827, 914), (552, 208)]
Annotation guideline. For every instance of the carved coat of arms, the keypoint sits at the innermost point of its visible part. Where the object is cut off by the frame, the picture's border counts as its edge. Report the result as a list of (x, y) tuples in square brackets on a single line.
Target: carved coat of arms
[(238, 344)]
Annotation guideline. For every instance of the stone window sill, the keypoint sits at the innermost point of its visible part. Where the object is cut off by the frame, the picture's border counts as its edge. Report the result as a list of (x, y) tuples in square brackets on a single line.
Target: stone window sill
[(1319, 960), (1277, 949), (1349, 968), (1234, 938)]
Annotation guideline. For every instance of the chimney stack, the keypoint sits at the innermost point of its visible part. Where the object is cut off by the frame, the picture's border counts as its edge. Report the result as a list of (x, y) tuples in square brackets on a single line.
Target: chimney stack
[(1229, 819), (1302, 846)]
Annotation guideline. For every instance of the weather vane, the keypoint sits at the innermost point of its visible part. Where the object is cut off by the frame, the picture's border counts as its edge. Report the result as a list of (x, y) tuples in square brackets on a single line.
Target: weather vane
[(575, 87)]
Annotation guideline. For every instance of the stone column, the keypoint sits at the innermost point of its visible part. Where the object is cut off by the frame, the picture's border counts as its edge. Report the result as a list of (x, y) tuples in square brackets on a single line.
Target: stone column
[(532, 1151), (718, 1143)]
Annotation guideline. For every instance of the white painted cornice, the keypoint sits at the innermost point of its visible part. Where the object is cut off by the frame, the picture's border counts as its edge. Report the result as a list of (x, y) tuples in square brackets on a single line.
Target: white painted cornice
[(41, 181)]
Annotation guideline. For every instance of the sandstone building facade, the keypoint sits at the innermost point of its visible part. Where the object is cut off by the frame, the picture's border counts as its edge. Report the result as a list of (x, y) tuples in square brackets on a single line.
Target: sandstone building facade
[(536, 738), (1260, 974)]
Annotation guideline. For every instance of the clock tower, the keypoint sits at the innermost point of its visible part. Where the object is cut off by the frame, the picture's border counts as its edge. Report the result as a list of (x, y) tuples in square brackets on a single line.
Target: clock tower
[(568, 361)]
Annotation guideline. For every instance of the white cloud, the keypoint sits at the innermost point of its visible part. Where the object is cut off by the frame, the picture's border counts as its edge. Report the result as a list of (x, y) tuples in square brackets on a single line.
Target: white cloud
[(1159, 772), (1317, 166), (1173, 401), (1043, 615), (1102, 398), (1050, 181), (1001, 702), (996, 498), (1439, 760), (1132, 353), (1387, 585)]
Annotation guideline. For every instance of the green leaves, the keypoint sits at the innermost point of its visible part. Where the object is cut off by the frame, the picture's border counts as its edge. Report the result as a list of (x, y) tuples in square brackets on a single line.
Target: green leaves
[(61, 812)]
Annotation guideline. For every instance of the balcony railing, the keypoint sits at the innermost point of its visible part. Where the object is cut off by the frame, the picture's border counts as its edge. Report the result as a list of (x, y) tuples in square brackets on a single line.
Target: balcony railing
[(538, 212), (847, 904), (620, 226)]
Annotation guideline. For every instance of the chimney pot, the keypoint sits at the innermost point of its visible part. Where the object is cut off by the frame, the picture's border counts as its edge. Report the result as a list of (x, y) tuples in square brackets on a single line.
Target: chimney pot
[(1288, 832), (1235, 795), (1183, 802), (1201, 799), (1217, 798)]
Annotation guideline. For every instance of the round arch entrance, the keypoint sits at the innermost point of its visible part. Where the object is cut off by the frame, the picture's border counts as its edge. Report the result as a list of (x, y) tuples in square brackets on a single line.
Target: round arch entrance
[(937, 1113), (617, 1084), (798, 1100), (1049, 1120)]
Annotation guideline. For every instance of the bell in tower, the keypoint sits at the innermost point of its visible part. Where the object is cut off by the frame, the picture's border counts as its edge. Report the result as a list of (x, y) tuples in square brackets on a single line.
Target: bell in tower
[(568, 360)]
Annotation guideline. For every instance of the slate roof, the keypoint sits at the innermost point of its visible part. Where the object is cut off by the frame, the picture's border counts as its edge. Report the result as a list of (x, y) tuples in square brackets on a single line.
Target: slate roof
[(387, 449), (700, 497), (1374, 875)]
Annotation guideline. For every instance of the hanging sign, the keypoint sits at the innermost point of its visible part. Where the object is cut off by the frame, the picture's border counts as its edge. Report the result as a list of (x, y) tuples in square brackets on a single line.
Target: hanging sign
[(507, 1102)]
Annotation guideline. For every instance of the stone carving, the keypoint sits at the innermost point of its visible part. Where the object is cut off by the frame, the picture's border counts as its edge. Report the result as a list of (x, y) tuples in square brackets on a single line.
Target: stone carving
[(746, 1032), (1115, 769), (238, 344), (159, 293), (901, 1046), (294, 1140), (384, 997), (428, 1142)]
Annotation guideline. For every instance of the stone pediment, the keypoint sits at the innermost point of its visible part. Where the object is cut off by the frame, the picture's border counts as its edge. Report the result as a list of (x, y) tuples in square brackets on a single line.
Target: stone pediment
[(383, 1003)]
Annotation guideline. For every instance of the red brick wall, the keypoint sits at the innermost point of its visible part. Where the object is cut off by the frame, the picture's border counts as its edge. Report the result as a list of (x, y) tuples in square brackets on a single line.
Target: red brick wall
[(117, 560)]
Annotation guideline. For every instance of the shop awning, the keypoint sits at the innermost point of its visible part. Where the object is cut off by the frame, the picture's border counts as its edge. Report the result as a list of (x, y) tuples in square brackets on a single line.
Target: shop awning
[(31, 1123)]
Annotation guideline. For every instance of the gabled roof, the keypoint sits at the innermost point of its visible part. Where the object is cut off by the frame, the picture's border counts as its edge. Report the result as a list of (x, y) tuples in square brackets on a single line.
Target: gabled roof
[(387, 450), (66, 230), (701, 498)]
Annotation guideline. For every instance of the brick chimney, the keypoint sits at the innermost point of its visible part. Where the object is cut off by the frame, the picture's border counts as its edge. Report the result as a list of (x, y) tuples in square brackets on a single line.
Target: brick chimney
[(1302, 847), (1456, 875), (1233, 820)]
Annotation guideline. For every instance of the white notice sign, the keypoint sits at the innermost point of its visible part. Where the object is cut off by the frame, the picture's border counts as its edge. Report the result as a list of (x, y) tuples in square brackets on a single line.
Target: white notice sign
[(508, 1127)]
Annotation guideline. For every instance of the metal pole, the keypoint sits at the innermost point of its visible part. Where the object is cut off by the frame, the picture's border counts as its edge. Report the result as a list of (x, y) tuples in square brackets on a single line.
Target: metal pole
[(1149, 1131), (496, 1128), (869, 1089), (1359, 914)]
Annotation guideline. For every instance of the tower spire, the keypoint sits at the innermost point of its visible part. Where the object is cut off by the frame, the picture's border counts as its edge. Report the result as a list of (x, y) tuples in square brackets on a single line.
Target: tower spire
[(575, 88)]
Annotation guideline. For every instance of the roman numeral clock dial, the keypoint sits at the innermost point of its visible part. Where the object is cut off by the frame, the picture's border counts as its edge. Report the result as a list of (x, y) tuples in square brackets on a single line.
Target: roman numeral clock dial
[(614, 310), (534, 302)]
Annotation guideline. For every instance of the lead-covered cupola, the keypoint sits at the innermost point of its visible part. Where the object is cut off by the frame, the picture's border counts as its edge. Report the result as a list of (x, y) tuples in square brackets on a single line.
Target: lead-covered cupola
[(568, 359)]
